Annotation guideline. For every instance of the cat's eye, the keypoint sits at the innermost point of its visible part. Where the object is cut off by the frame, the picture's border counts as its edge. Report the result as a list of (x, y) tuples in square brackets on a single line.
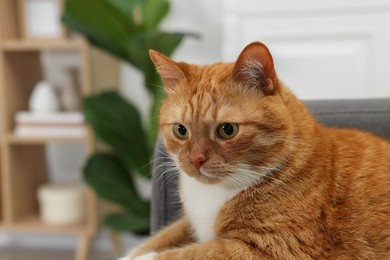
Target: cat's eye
[(228, 130), (180, 131)]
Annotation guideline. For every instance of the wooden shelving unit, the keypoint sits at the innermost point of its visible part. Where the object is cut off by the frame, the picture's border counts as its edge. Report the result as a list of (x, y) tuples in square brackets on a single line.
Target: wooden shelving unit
[(34, 224), (36, 45), (22, 159), (14, 139)]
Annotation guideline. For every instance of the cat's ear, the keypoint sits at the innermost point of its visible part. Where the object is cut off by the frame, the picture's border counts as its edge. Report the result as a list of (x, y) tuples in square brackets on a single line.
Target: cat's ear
[(255, 67), (170, 71)]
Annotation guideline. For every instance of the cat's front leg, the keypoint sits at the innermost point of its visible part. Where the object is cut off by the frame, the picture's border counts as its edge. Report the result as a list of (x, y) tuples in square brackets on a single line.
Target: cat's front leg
[(221, 248), (177, 234), (148, 256)]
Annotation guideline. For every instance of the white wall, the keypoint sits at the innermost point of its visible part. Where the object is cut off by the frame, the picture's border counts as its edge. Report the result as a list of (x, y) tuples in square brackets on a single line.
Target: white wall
[(202, 17), (325, 49)]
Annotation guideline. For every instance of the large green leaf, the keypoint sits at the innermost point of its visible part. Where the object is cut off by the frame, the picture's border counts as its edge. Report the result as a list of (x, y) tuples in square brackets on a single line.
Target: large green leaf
[(111, 181), (127, 222), (146, 14), (127, 8), (118, 123), (112, 25), (102, 23), (153, 12)]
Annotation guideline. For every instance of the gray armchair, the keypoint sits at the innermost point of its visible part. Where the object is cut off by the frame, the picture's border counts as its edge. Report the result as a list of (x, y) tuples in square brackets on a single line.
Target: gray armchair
[(370, 115)]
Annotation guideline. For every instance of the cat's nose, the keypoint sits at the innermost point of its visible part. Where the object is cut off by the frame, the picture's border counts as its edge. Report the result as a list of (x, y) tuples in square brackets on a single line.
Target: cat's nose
[(197, 159)]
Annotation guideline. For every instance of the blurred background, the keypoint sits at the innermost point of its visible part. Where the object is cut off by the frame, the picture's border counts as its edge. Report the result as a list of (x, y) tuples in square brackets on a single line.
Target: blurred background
[(79, 99)]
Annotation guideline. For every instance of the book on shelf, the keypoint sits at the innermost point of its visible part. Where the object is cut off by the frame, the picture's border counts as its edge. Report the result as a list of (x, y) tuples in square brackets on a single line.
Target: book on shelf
[(62, 124), (50, 118)]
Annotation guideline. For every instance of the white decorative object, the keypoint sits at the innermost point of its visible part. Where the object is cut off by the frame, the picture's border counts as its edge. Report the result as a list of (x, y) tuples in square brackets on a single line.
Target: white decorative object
[(43, 99), (62, 203), (42, 18)]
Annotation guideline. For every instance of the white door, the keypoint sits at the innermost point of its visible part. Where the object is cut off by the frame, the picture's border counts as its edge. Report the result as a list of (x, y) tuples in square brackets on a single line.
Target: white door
[(330, 49)]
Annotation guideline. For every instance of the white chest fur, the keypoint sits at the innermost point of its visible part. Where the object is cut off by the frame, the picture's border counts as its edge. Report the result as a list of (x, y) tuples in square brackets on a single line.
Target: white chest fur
[(202, 203)]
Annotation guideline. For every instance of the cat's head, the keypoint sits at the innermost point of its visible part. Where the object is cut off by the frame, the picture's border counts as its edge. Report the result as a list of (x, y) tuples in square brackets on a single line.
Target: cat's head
[(225, 121)]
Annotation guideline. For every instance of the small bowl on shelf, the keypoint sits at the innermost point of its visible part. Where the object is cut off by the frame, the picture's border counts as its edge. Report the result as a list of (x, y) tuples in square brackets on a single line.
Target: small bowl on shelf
[(62, 203)]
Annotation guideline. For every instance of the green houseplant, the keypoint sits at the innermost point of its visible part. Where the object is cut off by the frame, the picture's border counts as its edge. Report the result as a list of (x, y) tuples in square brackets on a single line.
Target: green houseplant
[(127, 29)]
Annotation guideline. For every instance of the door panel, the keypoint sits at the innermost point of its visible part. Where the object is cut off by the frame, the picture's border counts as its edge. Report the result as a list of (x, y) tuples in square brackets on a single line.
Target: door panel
[(336, 54)]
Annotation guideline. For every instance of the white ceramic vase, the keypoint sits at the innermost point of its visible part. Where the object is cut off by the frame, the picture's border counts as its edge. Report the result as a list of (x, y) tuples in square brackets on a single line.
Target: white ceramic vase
[(44, 99)]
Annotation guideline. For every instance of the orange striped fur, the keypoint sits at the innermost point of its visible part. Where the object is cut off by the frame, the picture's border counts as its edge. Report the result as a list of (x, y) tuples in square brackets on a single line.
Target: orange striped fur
[(301, 190)]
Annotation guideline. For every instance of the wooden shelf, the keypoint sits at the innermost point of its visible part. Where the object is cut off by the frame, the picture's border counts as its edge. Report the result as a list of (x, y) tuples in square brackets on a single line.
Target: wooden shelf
[(35, 224), (23, 160), (14, 139), (39, 45)]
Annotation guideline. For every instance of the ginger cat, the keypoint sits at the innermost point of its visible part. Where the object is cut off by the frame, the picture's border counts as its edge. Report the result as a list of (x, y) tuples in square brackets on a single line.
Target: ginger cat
[(259, 177)]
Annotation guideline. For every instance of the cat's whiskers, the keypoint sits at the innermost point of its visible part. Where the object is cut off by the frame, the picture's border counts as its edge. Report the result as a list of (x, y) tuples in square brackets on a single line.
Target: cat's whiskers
[(164, 165), (167, 176), (154, 161), (287, 173), (235, 183), (155, 117), (266, 172), (169, 179), (162, 153), (206, 174), (244, 180), (154, 85), (169, 172), (244, 183), (303, 197), (276, 182), (269, 169)]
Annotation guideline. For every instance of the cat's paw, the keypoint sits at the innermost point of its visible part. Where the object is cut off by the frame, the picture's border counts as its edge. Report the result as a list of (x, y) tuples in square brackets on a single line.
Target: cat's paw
[(148, 256), (124, 258)]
